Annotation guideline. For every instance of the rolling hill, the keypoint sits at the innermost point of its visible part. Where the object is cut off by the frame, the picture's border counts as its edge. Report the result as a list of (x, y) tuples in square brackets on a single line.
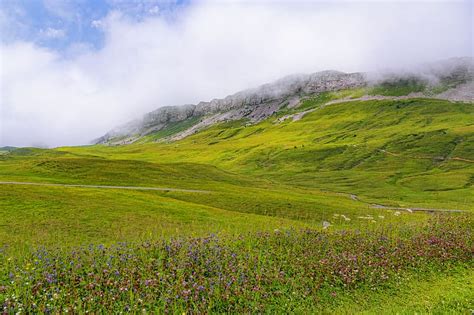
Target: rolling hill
[(382, 170), (347, 156)]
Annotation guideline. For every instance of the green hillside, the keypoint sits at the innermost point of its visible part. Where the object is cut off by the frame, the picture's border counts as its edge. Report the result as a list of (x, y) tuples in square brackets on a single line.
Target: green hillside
[(404, 153), (325, 170), (416, 152)]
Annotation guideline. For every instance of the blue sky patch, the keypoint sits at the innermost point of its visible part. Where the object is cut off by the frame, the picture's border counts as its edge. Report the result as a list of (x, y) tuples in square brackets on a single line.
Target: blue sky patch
[(58, 24)]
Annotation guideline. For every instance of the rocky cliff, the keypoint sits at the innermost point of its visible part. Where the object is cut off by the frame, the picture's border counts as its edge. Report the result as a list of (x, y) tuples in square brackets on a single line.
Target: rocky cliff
[(253, 104), (259, 103)]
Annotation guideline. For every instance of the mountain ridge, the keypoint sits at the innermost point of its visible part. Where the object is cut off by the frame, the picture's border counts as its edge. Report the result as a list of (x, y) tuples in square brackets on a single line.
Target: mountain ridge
[(256, 104)]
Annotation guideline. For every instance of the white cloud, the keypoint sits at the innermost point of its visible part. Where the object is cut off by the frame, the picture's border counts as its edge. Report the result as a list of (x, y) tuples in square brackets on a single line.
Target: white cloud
[(154, 10), (210, 50), (141, 8), (97, 24), (52, 33)]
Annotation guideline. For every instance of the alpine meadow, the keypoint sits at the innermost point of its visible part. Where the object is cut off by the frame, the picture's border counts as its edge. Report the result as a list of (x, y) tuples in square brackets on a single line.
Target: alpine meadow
[(333, 192)]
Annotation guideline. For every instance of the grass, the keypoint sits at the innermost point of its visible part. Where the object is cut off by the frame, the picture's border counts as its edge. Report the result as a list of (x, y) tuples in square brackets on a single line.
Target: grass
[(381, 151), (35, 215), (422, 294), (397, 153), (262, 178), (281, 271), (399, 87), (406, 86), (76, 216)]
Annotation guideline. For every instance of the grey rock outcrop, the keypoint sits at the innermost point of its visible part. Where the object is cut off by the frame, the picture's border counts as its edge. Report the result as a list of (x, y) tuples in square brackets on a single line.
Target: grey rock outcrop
[(253, 104), (257, 104)]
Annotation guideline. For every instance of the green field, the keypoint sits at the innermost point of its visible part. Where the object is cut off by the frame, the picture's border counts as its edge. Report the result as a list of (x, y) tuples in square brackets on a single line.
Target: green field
[(332, 166)]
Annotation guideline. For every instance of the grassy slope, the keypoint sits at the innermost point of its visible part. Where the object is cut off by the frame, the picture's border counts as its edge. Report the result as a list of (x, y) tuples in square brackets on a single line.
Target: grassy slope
[(450, 294), (395, 152), (78, 215), (73, 216), (262, 177), (293, 171), (399, 87)]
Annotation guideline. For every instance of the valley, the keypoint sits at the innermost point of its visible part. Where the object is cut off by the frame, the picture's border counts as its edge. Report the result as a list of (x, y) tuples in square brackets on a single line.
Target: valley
[(236, 157), (383, 170)]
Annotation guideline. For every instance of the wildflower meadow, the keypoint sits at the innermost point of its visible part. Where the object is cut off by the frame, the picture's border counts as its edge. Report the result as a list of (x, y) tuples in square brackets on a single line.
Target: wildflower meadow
[(257, 272)]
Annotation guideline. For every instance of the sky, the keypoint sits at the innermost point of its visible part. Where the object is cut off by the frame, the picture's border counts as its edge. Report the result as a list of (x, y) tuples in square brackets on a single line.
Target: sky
[(71, 70)]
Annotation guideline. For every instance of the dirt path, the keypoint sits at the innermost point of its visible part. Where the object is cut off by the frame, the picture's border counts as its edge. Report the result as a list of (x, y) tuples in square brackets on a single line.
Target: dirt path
[(462, 159), (377, 206), (106, 187), (352, 196)]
